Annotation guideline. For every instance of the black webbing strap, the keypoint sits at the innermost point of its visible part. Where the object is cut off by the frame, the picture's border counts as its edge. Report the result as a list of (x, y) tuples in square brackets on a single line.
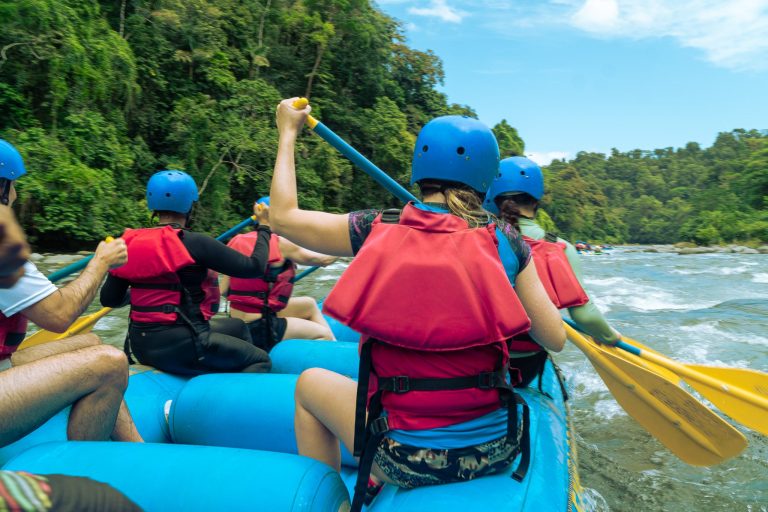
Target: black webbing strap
[(550, 237), (247, 293), (197, 341), (403, 383), (176, 287), (361, 401), (525, 439), (375, 429)]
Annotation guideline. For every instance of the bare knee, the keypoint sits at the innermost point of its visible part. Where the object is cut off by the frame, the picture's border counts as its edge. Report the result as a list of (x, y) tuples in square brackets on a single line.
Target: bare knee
[(110, 363), (309, 380)]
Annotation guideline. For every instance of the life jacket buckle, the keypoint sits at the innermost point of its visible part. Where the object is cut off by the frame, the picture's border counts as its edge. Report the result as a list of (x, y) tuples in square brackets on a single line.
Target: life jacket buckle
[(391, 216), (379, 425), (401, 384), (486, 380)]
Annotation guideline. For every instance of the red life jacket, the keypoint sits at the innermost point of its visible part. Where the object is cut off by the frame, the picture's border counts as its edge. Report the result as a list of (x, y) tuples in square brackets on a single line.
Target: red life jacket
[(434, 306), (210, 304), (555, 272), (155, 255), (12, 332), (270, 292), (559, 280)]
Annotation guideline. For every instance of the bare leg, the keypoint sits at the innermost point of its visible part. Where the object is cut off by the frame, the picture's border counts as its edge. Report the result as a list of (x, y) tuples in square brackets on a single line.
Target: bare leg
[(93, 379), (305, 310), (55, 347), (125, 430), (325, 413)]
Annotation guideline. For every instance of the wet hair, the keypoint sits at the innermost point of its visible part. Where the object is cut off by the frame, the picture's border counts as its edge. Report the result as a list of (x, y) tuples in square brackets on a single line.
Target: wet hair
[(462, 201), (509, 207)]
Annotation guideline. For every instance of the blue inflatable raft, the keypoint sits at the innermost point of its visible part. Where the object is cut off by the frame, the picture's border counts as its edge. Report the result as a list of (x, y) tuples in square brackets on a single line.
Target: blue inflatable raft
[(226, 442)]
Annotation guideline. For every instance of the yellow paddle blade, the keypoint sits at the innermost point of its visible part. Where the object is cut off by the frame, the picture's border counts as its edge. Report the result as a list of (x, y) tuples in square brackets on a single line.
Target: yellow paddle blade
[(686, 427), (82, 325), (741, 394)]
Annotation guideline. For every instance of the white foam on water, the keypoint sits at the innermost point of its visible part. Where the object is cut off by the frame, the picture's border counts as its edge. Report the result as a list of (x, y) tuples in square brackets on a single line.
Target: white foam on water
[(761, 277), (650, 299), (610, 281), (608, 409), (709, 332)]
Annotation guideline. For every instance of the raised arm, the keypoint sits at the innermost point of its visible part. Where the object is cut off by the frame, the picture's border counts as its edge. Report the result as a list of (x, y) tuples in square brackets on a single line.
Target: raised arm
[(303, 256), (546, 323), (326, 233)]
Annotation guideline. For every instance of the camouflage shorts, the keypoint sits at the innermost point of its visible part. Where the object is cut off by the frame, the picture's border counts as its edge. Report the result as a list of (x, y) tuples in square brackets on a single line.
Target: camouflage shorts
[(409, 466)]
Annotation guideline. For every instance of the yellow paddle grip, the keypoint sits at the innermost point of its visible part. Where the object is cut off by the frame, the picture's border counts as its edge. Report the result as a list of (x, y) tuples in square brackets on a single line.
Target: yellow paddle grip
[(301, 104)]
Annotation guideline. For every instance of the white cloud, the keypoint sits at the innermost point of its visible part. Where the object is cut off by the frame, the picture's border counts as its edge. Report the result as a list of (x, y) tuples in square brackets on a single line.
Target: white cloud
[(597, 14), (441, 10), (546, 157), (732, 34)]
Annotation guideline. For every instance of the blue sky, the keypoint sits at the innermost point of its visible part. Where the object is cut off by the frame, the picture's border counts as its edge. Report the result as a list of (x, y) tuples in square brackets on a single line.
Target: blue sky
[(591, 75)]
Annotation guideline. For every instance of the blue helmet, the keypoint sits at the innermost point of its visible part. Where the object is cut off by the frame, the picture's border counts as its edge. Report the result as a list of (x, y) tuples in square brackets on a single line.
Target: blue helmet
[(263, 200), (517, 175), (458, 149), (11, 163), (171, 191)]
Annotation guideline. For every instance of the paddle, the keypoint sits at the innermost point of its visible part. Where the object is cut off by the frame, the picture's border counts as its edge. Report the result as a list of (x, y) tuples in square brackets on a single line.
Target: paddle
[(701, 428), (85, 323), (740, 393), (691, 431), (354, 156)]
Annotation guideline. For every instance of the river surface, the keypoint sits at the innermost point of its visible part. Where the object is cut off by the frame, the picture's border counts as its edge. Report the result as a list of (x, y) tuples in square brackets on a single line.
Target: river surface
[(704, 309)]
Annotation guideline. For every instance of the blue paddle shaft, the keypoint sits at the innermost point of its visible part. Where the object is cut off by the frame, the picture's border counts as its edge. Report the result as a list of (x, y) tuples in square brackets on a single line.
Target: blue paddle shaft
[(304, 273), (363, 163), (235, 230), (70, 269)]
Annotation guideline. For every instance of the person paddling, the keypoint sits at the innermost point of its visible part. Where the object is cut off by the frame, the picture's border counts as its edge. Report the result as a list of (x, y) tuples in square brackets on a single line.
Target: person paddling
[(514, 196), (265, 304), (431, 291), (169, 281)]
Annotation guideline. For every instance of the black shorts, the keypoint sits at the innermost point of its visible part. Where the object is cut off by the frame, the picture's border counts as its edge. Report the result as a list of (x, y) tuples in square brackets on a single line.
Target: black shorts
[(267, 331)]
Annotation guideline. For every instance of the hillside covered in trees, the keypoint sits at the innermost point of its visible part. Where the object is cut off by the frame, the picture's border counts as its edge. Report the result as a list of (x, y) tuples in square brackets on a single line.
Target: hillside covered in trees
[(98, 95)]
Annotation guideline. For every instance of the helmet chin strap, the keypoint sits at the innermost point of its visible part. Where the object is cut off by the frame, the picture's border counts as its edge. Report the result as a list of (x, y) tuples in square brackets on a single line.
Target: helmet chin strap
[(5, 191)]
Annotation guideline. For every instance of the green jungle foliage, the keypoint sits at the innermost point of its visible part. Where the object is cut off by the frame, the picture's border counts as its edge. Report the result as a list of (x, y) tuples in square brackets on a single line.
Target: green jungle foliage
[(98, 95)]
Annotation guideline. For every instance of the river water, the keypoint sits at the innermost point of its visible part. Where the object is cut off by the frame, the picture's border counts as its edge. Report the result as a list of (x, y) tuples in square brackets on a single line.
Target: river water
[(704, 309)]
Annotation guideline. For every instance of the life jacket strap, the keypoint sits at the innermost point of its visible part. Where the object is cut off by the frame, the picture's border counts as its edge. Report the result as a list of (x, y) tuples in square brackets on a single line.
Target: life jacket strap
[(403, 383), (247, 293), (176, 287)]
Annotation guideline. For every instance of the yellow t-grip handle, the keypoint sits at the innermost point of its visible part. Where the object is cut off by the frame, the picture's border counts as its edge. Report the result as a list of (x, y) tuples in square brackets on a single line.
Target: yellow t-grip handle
[(109, 239), (301, 104)]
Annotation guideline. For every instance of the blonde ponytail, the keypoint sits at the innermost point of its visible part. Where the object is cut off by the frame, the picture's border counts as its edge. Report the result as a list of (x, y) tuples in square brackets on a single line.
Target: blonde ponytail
[(467, 205)]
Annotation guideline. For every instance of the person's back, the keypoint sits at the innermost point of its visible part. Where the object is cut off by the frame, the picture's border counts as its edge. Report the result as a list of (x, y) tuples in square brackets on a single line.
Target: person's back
[(168, 282), (434, 340), (266, 304), (514, 196)]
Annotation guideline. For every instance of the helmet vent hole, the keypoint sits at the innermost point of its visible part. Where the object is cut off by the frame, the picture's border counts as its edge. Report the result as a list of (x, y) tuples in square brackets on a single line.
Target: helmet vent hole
[(167, 194), (425, 148), (522, 173), (460, 150)]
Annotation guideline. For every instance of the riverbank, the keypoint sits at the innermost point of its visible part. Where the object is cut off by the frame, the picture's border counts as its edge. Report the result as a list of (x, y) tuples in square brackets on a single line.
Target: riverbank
[(691, 249)]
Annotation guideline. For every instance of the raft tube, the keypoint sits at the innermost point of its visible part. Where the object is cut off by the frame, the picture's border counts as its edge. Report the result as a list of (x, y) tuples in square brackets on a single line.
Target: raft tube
[(256, 411), (163, 477)]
